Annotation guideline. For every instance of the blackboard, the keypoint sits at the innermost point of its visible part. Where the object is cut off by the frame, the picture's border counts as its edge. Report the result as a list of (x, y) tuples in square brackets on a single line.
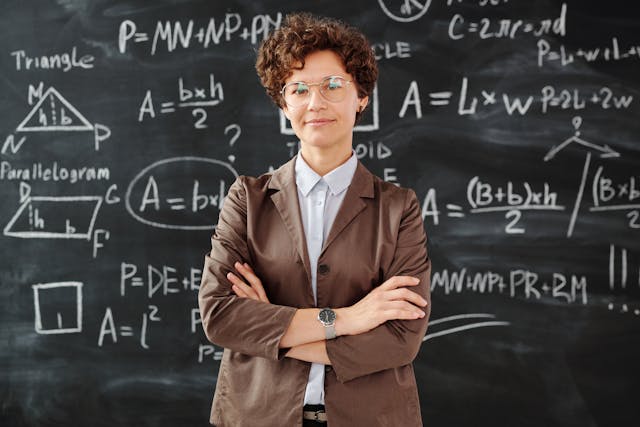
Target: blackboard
[(123, 124)]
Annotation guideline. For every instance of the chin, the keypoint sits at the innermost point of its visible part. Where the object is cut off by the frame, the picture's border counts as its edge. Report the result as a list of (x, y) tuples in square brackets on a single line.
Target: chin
[(314, 142)]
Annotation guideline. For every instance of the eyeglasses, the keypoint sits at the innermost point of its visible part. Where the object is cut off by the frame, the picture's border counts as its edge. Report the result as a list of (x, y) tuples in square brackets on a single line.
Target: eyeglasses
[(332, 88)]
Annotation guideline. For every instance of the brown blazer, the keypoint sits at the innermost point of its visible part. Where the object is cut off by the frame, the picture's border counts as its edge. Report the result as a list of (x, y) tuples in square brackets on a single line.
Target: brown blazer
[(378, 233)]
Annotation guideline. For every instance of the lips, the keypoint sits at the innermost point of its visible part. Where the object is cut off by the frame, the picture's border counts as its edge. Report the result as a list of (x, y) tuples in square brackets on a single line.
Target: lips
[(318, 122)]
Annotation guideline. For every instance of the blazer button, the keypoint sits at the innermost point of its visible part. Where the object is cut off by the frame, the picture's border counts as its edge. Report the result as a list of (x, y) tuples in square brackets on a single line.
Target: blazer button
[(323, 269)]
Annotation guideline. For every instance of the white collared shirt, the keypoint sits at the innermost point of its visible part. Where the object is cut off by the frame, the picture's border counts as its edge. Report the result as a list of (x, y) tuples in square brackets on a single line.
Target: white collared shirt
[(320, 198)]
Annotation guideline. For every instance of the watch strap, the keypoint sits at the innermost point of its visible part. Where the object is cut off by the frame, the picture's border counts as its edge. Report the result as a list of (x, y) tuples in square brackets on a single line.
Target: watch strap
[(329, 331)]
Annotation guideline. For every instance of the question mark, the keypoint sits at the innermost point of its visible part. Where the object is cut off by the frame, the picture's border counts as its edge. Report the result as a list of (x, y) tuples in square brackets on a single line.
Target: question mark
[(234, 138), (577, 121)]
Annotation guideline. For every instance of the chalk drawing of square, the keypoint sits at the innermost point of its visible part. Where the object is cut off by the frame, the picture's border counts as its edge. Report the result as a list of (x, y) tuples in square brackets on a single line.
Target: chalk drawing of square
[(47, 310), (56, 225), (373, 125)]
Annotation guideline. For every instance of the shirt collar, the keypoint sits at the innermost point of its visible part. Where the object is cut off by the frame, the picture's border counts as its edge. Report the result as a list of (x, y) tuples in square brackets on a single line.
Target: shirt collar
[(338, 179)]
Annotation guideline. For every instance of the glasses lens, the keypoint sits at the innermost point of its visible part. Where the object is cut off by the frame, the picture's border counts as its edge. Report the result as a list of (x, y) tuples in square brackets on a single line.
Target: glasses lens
[(334, 88), (296, 94)]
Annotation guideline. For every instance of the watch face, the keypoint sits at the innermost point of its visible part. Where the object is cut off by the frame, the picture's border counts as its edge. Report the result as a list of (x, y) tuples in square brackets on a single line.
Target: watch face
[(327, 316)]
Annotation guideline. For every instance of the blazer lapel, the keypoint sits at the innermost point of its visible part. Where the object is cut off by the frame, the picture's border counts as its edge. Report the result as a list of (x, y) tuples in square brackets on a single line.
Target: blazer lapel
[(285, 199), (286, 202), (352, 204)]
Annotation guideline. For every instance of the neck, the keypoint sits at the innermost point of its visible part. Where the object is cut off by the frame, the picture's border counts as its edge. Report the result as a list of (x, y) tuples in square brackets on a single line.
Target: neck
[(323, 162)]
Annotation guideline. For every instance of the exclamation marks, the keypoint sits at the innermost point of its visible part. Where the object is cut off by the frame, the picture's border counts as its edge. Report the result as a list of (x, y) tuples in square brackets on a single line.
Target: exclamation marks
[(619, 277), (624, 268)]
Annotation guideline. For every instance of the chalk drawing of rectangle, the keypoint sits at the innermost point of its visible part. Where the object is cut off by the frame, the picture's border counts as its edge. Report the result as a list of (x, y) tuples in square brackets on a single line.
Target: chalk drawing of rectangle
[(94, 205), (374, 125), (38, 289)]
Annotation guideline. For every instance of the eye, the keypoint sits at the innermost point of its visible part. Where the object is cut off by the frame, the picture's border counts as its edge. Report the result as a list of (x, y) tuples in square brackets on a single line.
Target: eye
[(299, 88), (334, 83)]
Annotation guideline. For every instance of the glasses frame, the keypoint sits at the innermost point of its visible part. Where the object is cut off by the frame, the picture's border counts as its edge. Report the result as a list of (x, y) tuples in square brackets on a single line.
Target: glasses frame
[(309, 85)]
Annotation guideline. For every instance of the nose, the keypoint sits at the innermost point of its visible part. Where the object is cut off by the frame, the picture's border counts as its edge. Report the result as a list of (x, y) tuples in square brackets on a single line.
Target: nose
[(316, 100)]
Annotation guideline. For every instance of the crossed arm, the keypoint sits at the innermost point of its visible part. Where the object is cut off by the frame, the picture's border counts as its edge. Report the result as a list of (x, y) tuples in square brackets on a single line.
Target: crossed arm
[(390, 320), (306, 336)]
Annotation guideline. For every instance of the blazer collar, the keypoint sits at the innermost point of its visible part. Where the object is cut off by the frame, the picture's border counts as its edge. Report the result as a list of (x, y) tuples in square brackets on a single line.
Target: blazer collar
[(285, 199), (285, 176), (338, 179)]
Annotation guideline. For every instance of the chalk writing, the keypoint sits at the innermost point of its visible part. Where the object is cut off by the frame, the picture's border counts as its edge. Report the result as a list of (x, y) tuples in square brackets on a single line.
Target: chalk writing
[(148, 200), (174, 35), (164, 280), (518, 283), (57, 61), (196, 98), (487, 28), (565, 56)]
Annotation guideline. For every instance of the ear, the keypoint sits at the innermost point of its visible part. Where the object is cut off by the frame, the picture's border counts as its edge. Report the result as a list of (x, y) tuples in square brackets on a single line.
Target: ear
[(363, 103)]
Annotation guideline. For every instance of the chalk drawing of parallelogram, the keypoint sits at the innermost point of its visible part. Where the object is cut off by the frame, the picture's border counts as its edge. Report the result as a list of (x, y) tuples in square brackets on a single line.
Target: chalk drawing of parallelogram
[(45, 217), (374, 124), (54, 112), (58, 307)]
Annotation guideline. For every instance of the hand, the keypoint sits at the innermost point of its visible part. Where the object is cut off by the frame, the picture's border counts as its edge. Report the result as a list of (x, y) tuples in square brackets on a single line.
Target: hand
[(254, 290), (389, 301)]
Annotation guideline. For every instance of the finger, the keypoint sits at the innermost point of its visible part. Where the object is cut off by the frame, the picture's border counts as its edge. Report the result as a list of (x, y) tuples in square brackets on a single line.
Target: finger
[(406, 294), (246, 272), (253, 280), (248, 290), (239, 292), (398, 281)]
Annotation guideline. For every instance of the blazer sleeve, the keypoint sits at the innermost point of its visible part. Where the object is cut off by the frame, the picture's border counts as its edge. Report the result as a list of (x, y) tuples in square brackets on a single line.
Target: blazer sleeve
[(241, 324), (396, 342)]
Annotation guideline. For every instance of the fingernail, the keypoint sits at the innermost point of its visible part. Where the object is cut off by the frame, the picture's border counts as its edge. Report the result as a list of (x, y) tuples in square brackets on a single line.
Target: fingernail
[(246, 265), (416, 280)]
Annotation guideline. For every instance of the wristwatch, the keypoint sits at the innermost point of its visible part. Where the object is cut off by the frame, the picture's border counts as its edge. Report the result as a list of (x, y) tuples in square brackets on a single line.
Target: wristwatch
[(328, 318)]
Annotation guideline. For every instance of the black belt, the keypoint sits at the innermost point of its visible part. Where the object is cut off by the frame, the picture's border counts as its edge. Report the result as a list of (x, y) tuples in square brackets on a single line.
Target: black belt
[(314, 413)]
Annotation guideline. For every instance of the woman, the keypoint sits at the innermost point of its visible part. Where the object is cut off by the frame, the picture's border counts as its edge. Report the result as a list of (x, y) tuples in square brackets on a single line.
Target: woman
[(317, 284)]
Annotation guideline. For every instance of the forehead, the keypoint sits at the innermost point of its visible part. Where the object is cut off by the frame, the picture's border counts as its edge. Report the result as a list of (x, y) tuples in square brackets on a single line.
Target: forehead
[(317, 65)]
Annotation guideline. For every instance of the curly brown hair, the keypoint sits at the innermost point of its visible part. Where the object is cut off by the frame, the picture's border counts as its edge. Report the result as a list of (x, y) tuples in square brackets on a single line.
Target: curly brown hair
[(303, 33)]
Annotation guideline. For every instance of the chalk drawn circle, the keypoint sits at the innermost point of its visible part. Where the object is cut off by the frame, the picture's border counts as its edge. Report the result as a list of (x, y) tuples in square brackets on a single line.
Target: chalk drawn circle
[(163, 162), (422, 9)]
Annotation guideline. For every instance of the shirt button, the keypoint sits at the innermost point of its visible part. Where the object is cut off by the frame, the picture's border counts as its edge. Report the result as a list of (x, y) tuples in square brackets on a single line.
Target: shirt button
[(323, 269)]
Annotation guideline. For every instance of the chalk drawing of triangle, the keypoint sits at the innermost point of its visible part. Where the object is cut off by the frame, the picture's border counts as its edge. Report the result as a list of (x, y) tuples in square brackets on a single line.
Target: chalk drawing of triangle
[(54, 112)]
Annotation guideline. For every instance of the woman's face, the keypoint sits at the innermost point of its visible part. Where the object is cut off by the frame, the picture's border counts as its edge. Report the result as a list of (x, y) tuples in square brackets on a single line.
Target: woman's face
[(321, 123)]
